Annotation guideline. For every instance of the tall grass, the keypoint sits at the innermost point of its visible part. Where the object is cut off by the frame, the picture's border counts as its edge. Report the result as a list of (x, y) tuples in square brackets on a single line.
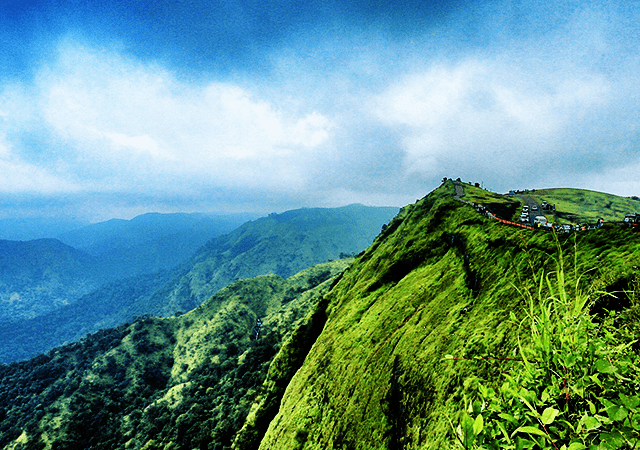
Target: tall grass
[(574, 383)]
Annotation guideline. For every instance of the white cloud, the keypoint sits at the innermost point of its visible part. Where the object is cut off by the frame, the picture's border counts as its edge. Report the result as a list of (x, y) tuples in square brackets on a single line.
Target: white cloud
[(488, 116), (357, 117), (138, 122), (21, 177), (18, 177)]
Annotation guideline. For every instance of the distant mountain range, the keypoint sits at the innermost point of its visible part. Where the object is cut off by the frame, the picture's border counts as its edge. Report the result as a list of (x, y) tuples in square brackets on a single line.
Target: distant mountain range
[(30, 229), (41, 275), (150, 242), (451, 330), (280, 244)]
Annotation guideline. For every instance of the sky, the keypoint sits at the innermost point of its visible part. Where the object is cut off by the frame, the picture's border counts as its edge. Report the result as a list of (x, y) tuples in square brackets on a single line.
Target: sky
[(117, 108)]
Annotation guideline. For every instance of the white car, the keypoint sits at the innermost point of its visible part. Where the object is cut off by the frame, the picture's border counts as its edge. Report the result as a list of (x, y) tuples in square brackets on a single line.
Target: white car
[(534, 208), (540, 219)]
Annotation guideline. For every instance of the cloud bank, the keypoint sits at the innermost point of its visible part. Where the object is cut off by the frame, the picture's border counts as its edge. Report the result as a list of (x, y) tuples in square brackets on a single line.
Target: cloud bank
[(348, 105)]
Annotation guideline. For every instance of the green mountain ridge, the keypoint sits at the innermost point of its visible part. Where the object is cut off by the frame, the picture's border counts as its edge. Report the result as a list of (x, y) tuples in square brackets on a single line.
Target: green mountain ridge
[(155, 382), (582, 205), (281, 244), (440, 280), (346, 355)]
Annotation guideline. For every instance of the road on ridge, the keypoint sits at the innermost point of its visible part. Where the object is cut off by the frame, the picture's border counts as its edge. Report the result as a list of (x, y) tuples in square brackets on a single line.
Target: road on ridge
[(531, 202)]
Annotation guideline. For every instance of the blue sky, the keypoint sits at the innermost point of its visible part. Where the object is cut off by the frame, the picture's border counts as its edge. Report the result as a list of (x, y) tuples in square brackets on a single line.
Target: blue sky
[(112, 109)]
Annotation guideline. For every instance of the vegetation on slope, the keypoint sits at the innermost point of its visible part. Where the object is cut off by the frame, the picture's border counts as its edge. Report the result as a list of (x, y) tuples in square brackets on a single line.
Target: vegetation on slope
[(109, 306), (176, 383), (282, 244), (573, 383), (504, 206), (440, 280)]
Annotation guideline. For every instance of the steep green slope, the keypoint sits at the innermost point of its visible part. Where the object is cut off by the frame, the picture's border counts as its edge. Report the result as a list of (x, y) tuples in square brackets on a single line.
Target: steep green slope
[(282, 244), (441, 279), (180, 382)]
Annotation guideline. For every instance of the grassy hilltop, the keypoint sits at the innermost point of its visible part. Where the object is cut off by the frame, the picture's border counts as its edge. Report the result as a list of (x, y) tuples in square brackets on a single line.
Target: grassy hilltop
[(582, 205), (572, 205), (385, 352), (441, 280)]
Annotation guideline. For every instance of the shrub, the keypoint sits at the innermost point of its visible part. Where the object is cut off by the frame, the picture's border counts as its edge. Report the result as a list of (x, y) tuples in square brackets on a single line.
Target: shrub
[(573, 385)]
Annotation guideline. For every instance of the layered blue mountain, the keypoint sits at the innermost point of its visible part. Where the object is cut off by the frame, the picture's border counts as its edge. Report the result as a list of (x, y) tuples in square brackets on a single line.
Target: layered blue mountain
[(150, 242), (32, 228), (280, 244), (39, 276)]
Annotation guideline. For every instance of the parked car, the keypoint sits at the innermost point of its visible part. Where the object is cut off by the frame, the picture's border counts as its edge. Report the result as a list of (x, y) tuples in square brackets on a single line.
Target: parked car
[(632, 218), (540, 219)]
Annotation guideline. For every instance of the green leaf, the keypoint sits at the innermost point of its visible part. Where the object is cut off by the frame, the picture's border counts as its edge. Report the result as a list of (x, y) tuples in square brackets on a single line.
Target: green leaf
[(569, 360), (612, 440), (631, 402), (504, 431), (576, 446), (478, 425), (595, 379), (591, 423), (467, 429), (604, 366), (616, 412), (549, 415), (508, 417), (522, 444), (603, 420), (529, 430)]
